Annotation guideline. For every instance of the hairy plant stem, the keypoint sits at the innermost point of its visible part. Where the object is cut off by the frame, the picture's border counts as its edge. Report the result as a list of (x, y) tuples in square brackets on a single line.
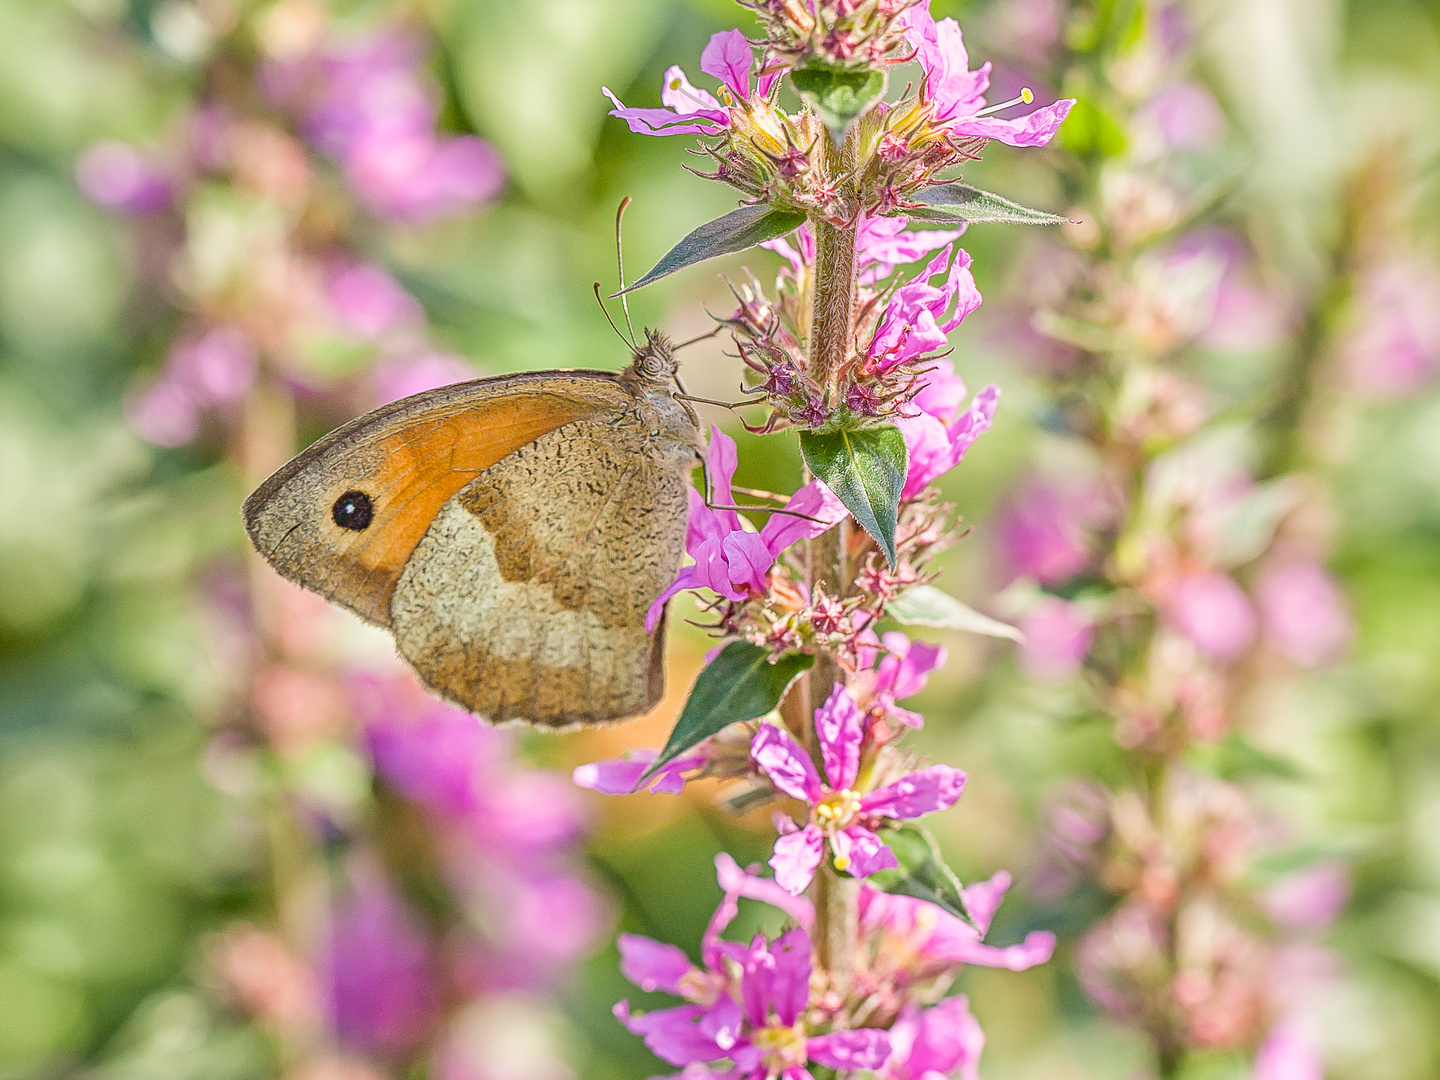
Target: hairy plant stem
[(831, 338)]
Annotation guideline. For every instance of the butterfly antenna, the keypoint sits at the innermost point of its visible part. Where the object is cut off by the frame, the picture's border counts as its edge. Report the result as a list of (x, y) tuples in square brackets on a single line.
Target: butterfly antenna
[(605, 311), (620, 265)]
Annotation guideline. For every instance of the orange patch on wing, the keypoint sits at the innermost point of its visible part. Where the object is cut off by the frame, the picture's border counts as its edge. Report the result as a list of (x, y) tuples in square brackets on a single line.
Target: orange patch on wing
[(428, 462)]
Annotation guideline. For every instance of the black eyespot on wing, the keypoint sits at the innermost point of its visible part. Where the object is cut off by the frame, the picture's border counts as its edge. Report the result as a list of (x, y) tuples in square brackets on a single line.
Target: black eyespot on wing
[(353, 510)]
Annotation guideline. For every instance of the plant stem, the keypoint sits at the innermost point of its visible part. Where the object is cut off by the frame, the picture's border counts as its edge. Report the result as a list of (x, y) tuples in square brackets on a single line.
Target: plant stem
[(831, 339)]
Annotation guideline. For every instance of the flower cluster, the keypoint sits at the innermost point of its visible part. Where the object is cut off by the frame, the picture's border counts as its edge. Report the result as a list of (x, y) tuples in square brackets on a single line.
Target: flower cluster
[(264, 272)]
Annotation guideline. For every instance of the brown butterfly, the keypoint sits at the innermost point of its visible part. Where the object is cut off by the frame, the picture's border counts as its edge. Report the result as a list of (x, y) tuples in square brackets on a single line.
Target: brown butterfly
[(509, 532)]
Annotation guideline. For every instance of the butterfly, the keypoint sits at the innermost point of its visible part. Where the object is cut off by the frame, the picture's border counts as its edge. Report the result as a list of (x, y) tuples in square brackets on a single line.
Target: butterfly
[(509, 533)]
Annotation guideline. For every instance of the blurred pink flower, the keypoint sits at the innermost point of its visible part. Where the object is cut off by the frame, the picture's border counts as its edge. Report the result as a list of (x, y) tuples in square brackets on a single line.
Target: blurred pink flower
[(943, 1041), (1212, 611), (118, 177), (883, 243), (729, 559), (369, 302), (418, 176), (1123, 959), (1186, 116), (1393, 350), (941, 392), (919, 315), (621, 776), (1057, 637), (1043, 533), (1289, 1053), (958, 94), (377, 970), (217, 368), (840, 816), (729, 57), (936, 448), (163, 413), (1303, 613), (1310, 900), (399, 377)]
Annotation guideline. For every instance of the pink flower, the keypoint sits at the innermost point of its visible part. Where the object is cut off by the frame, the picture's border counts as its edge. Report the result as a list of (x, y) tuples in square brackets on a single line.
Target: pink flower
[(369, 302), (621, 776), (943, 1041), (729, 58), (399, 377), (903, 672), (1289, 1053), (745, 1003), (118, 177), (958, 94), (912, 941), (1303, 613), (688, 110), (1185, 115), (844, 818), (882, 244), (1057, 637), (1213, 612), (1310, 900), (1393, 351), (378, 971), (218, 368), (417, 176), (941, 392), (729, 559), (1042, 533), (935, 448), (920, 315)]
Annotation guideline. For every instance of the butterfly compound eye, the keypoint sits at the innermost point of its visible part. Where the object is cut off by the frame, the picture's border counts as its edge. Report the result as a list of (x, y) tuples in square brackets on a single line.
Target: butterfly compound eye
[(353, 511)]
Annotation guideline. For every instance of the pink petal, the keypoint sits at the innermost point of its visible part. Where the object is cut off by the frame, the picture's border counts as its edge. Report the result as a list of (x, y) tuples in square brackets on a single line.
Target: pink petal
[(912, 663), (1289, 1052), (942, 392), (722, 1022), (814, 500), (859, 1048), (672, 1034), (615, 777), (924, 792), (668, 122), (796, 857), (1036, 129), (721, 460), (983, 899), (748, 560), (840, 727), (734, 880), (862, 851), (1037, 948), (677, 93), (729, 58), (652, 965), (940, 1041), (683, 580), (790, 978), (789, 768)]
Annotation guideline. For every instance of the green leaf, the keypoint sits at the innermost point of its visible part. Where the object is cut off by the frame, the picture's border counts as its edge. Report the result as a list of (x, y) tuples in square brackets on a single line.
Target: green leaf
[(961, 202), (739, 684), (738, 230), (1236, 758), (865, 468), (922, 872), (838, 95), (925, 605)]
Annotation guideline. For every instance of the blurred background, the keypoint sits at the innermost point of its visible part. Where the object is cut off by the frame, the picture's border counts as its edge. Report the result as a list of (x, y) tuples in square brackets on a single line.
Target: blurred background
[(235, 842)]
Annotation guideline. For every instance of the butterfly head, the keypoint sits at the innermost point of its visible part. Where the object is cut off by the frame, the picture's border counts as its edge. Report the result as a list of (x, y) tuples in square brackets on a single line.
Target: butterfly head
[(655, 361)]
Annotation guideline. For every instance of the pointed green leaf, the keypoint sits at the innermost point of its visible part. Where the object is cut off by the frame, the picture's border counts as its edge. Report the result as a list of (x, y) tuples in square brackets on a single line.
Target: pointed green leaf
[(925, 605), (961, 202), (838, 95), (739, 684), (1236, 758), (736, 231), (865, 468), (922, 872)]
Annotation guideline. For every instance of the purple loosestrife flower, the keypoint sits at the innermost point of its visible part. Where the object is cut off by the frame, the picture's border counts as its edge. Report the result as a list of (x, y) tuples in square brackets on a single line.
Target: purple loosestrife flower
[(1303, 613), (920, 315), (957, 94), (729, 559), (936, 448), (903, 672), (928, 1044), (1057, 637), (745, 1005), (1289, 1053), (688, 109), (621, 776), (841, 816), (118, 177), (912, 941), (378, 971), (882, 244), (1212, 611)]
